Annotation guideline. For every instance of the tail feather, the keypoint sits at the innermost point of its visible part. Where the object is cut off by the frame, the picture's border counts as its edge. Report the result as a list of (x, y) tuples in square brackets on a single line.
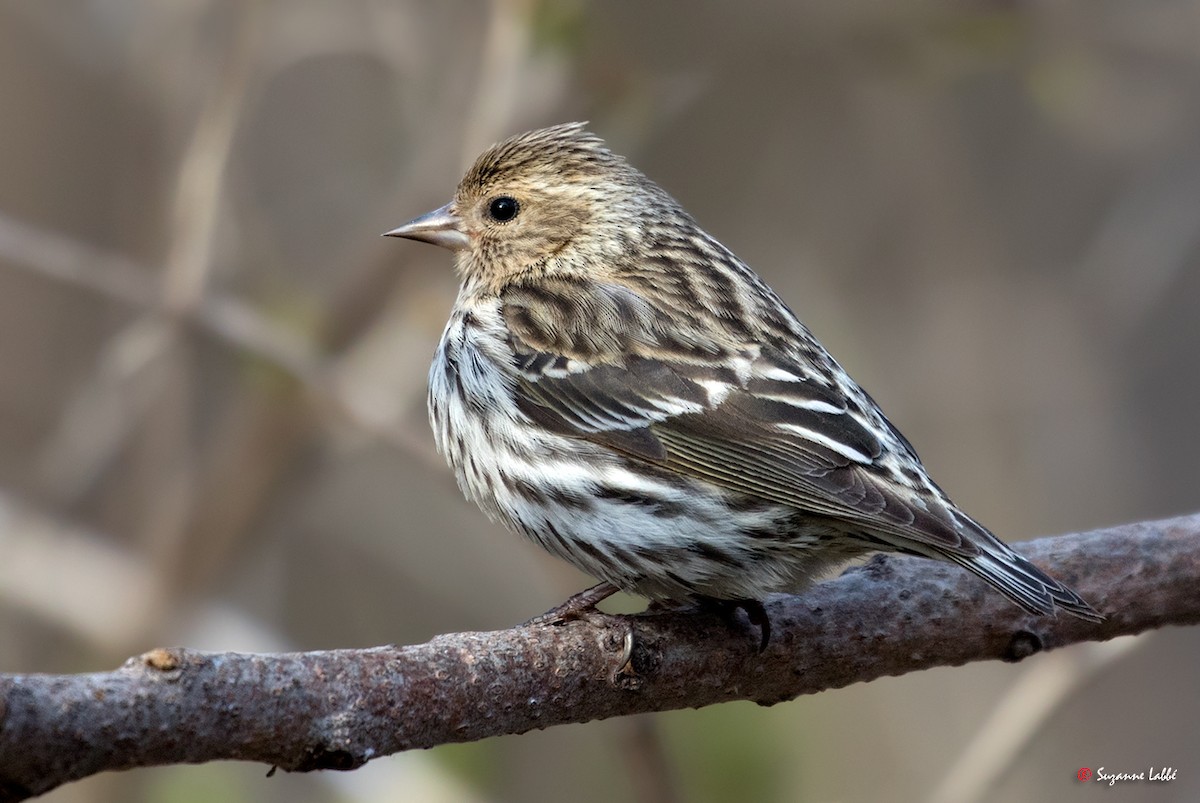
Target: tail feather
[(985, 555), (1023, 583)]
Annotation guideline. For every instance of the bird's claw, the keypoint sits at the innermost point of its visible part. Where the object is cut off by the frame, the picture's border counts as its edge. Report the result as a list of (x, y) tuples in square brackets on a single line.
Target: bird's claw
[(755, 612)]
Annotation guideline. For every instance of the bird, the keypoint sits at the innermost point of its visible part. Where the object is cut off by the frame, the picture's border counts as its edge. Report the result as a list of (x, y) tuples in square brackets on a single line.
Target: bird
[(616, 385)]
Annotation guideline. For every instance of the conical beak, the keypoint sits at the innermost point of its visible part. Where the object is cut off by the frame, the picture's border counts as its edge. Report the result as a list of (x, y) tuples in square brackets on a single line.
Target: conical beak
[(440, 227)]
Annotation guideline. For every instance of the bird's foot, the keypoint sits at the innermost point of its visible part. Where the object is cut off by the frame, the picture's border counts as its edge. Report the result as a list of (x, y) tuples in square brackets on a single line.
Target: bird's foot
[(578, 606), (755, 612), (583, 606)]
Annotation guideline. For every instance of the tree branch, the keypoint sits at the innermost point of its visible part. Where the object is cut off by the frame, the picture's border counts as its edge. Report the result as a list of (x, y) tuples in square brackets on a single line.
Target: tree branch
[(341, 708)]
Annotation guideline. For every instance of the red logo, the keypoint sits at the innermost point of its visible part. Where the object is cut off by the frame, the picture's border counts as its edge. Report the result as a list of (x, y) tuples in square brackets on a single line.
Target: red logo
[(1084, 774)]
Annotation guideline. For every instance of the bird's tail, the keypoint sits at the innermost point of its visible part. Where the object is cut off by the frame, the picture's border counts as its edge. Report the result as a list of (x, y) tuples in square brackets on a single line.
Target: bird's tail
[(1019, 580), (949, 534)]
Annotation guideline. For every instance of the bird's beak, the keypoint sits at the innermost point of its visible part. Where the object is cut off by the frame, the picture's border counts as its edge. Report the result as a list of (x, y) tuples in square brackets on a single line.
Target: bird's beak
[(440, 227)]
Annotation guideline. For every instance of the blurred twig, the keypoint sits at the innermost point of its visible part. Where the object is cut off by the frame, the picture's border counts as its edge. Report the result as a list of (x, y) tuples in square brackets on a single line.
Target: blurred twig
[(123, 387), (102, 414), (339, 709), (198, 187), (649, 766), (98, 586), (1020, 715), (71, 262), (189, 484), (505, 49), (228, 320)]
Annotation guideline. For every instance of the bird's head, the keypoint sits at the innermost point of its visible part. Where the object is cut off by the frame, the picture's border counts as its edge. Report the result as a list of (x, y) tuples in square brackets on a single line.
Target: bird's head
[(550, 201)]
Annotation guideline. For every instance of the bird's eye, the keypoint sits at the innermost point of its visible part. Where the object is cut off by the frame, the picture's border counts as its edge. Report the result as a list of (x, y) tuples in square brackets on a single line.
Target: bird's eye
[(503, 209)]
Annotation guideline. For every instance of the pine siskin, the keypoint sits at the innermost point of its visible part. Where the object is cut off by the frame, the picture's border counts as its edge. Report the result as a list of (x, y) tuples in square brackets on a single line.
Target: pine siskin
[(618, 386)]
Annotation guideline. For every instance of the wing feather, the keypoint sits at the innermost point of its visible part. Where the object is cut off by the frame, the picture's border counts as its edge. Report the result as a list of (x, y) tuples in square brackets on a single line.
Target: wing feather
[(772, 431)]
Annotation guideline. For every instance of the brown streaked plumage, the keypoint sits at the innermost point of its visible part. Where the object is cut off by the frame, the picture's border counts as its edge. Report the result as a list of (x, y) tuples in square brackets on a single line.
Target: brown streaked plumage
[(618, 386)]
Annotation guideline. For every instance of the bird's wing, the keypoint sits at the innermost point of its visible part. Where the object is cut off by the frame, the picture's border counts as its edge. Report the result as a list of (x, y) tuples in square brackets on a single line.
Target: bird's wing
[(750, 421), (761, 420)]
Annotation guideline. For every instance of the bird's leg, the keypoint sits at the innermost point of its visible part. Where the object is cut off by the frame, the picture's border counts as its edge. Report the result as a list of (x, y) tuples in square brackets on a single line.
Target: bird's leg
[(755, 612), (576, 606)]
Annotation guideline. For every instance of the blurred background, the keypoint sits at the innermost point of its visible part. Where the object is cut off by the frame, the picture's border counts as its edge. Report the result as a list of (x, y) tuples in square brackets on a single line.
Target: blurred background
[(212, 368)]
